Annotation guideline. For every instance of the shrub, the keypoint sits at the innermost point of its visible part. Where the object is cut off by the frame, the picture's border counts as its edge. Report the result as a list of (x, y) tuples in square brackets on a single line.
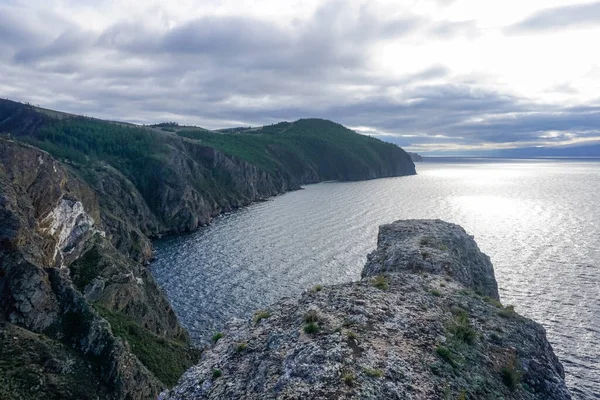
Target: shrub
[(311, 316), (352, 335), (217, 373), (167, 359), (464, 333), (435, 292), (461, 328)]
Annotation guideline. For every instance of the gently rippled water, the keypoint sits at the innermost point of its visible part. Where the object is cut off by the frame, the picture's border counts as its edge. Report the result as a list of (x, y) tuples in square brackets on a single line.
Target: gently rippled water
[(539, 221)]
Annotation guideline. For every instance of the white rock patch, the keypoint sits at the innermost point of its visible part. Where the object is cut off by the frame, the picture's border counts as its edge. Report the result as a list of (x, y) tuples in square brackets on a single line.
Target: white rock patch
[(68, 223)]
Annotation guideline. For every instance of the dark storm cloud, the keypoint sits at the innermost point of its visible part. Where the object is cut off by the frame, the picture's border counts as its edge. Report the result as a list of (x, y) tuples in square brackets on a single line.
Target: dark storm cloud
[(551, 19)]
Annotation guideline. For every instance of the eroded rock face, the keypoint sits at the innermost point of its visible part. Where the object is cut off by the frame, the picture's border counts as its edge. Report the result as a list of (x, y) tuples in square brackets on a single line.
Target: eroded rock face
[(432, 246), (410, 329), (61, 281)]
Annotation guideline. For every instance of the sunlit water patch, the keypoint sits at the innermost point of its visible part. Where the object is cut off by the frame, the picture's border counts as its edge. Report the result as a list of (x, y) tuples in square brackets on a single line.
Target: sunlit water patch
[(539, 221)]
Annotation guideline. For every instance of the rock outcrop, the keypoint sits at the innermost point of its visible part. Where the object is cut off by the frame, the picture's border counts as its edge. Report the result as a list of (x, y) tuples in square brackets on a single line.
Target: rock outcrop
[(73, 310), (423, 323)]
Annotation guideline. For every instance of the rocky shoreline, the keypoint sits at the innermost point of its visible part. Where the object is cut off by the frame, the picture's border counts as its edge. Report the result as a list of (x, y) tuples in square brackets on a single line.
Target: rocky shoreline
[(425, 322)]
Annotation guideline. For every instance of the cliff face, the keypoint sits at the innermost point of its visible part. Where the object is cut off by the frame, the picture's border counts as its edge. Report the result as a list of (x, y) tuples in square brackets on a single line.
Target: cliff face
[(150, 182), (62, 282), (80, 315), (423, 323)]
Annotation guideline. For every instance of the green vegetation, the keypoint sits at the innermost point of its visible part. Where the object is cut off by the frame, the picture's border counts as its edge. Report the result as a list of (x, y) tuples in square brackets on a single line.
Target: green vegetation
[(332, 150), (311, 316), (316, 289), (241, 347), (381, 282), (510, 377), (435, 292), (166, 359), (311, 327), (374, 372), (508, 312), (217, 373), (296, 152), (492, 301), (85, 269), (348, 378), (445, 354), (461, 327), (260, 315), (216, 337), (352, 335)]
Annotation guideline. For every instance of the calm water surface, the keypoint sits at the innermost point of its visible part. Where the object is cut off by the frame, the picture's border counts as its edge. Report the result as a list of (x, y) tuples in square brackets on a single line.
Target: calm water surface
[(539, 221)]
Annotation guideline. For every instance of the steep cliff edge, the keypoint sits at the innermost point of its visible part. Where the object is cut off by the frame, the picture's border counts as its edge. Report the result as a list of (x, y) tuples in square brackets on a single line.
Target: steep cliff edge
[(78, 319), (423, 323), (80, 315), (153, 181)]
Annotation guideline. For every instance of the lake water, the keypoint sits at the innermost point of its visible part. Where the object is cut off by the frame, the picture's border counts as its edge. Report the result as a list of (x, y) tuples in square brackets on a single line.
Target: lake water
[(539, 221)]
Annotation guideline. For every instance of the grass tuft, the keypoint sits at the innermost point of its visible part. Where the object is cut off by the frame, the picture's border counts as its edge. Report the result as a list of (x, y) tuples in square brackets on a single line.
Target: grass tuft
[(349, 378), (316, 289), (381, 282), (510, 377), (260, 315), (374, 372), (216, 337), (508, 312), (311, 328), (241, 347), (445, 354)]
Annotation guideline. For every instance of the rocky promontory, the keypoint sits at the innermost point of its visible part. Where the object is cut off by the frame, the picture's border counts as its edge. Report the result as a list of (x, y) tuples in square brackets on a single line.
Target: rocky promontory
[(424, 322)]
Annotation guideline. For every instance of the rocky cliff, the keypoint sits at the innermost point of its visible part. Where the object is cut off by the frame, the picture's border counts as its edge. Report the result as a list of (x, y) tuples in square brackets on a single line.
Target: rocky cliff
[(78, 318), (80, 315), (151, 182), (423, 323)]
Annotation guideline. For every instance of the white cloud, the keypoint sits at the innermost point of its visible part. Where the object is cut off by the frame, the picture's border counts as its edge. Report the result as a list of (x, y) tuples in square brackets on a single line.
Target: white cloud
[(426, 72)]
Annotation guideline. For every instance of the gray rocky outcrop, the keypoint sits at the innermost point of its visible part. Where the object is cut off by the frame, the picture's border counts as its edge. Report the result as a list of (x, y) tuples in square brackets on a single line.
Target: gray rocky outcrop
[(423, 323)]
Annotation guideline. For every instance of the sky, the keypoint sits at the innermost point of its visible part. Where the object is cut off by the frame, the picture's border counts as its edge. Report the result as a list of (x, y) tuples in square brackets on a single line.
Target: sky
[(433, 76)]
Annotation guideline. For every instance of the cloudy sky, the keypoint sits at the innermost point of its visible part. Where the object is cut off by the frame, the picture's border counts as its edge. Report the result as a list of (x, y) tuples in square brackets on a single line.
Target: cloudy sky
[(430, 75)]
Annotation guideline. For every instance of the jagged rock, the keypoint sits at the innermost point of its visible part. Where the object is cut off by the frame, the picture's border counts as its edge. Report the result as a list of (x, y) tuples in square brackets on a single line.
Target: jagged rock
[(432, 246), (410, 329), (60, 278)]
